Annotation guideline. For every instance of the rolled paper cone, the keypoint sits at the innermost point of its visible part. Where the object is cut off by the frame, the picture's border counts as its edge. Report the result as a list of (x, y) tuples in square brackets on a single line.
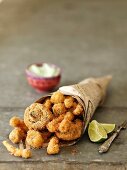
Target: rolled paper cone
[(90, 93)]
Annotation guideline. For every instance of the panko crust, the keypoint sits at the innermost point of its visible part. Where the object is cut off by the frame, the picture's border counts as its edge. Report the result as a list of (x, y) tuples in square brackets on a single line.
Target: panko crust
[(69, 101), (78, 110), (16, 135), (58, 109), (18, 122), (53, 146), (74, 132), (47, 103), (54, 124), (37, 116), (66, 122), (34, 139), (24, 153), (57, 97), (69, 116)]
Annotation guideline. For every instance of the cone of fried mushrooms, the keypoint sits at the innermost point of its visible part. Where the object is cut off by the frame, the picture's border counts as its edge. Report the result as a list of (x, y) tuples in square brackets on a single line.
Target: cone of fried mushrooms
[(57, 119)]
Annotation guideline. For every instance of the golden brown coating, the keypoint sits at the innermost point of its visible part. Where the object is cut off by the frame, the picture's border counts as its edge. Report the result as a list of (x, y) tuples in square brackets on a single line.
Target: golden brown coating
[(66, 122), (13, 150), (69, 101), (78, 110), (64, 126), (73, 107), (54, 124), (69, 116), (16, 135), (47, 103), (58, 109), (53, 146), (74, 132), (56, 116), (34, 139), (57, 97), (18, 122), (36, 116), (25, 153)]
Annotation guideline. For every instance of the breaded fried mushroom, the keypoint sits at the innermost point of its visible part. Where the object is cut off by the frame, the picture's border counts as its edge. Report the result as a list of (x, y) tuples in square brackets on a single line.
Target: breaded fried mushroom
[(66, 122), (16, 135), (74, 131), (36, 116), (64, 125), (68, 101), (78, 110), (53, 146), (54, 124), (57, 97), (18, 122), (58, 109), (47, 103), (69, 116), (34, 139), (25, 153), (13, 150)]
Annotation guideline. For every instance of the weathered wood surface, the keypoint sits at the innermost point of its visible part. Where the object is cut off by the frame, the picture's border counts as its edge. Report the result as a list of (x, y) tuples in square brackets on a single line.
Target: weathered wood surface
[(85, 38)]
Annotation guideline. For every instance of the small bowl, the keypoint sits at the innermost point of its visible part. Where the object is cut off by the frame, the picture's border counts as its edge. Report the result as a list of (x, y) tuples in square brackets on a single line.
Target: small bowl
[(42, 84)]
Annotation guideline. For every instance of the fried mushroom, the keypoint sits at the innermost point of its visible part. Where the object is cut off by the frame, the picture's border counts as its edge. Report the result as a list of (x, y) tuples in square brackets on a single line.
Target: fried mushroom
[(34, 139), (16, 135), (47, 103), (57, 97), (25, 153), (36, 116), (68, 101), (18, 122), (78, 110), (66, 122), (54, 124), (74, 131), (53, 146), (58, 109)]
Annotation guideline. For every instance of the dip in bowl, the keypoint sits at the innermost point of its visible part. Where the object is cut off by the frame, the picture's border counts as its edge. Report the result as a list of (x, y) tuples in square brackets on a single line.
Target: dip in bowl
[(43, 76)]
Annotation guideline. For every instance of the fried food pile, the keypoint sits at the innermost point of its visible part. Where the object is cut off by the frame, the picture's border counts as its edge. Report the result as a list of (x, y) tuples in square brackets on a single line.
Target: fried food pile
[(59, 118)]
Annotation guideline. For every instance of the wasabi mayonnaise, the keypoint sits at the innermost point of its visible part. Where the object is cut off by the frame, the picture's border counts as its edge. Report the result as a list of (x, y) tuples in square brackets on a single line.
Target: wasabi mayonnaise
[(45, 70)]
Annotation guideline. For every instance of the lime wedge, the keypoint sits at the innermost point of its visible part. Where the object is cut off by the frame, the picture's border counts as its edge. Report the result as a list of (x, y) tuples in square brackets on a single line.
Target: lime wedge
[(108, 127), (96, 132)]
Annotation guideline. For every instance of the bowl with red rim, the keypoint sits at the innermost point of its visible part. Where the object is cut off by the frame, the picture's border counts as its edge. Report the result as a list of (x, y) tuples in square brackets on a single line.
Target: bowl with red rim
[(43, 76)]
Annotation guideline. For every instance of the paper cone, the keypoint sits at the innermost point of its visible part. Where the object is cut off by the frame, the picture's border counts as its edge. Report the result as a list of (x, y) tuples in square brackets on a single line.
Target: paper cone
[(90, 93)]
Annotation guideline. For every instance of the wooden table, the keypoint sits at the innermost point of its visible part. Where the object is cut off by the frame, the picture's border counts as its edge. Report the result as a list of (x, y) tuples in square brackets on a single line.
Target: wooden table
[(85, 38)]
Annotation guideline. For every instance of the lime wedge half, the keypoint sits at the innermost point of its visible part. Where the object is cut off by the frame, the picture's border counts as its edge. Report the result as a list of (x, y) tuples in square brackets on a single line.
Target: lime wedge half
[(96, 132), (108, 127)]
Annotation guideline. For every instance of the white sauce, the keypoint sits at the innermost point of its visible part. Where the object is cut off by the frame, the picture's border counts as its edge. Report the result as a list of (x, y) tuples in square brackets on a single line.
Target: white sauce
[(45, 70)]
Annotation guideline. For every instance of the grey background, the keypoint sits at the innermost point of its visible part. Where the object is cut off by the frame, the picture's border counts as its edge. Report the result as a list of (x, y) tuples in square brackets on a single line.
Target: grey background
[(85, 38)]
